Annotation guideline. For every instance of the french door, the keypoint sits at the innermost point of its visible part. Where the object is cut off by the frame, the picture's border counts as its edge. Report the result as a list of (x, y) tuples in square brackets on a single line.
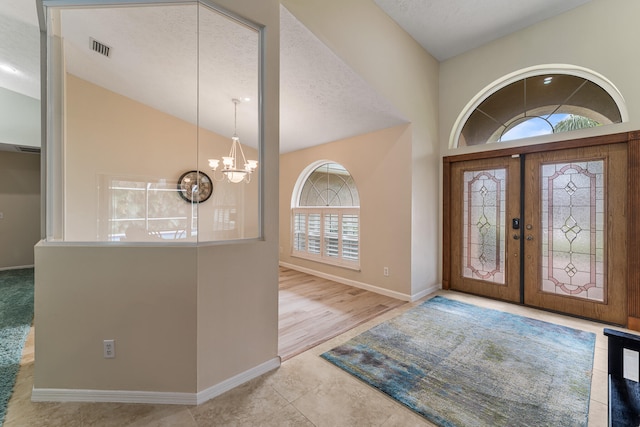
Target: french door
[(544, 229)]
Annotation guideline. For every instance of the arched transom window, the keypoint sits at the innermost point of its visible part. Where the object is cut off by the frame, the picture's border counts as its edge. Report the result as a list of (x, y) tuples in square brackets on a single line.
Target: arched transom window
[(326, 217), (541, 104)]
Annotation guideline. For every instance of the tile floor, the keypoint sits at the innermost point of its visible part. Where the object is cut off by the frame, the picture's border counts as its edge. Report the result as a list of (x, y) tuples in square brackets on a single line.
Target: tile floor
[(305, 391)]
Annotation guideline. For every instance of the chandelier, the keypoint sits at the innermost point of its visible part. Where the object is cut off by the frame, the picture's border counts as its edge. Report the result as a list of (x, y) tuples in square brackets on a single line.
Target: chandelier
[(230, 169)]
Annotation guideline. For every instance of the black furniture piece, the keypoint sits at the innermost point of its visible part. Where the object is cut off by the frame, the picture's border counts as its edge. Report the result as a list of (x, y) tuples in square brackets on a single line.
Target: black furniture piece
[(624, 394)]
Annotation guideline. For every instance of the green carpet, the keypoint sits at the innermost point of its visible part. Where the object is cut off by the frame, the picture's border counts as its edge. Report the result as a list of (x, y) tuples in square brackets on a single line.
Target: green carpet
[(461, 365), (16, 314)]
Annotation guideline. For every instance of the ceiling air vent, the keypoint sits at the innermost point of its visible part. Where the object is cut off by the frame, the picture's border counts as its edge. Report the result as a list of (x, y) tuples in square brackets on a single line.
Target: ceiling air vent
[(22, 149), (101, 48)]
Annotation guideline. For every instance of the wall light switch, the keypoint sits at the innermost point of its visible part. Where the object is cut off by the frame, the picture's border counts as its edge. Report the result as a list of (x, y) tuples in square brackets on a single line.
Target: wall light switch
[(1, 215)]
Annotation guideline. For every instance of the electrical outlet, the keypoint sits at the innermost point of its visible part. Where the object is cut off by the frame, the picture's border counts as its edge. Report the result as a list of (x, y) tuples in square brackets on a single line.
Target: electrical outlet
[(109, 347), (386, 271)]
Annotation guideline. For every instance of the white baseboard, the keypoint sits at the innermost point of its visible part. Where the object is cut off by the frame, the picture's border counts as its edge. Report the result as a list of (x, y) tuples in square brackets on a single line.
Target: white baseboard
[(18, 267), (111, 396), (151, 397), (361, 285), (239, 379), (422, 294)]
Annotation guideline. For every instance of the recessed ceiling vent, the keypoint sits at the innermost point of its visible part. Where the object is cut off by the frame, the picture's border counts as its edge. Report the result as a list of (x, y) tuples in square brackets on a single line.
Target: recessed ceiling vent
[(34, 150), (99, 47)]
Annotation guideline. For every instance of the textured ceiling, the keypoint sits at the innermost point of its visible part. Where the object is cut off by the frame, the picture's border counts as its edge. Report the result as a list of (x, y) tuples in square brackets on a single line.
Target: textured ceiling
[(322, 99), (154, 60), (19, 47), (446, 28)]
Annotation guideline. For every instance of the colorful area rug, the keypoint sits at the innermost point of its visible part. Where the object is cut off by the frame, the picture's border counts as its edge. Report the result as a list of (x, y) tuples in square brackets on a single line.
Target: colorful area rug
[(461, 365), (16, 314)]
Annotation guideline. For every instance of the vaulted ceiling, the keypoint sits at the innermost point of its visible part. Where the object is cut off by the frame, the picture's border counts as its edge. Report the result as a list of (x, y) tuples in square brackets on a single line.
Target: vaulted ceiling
[(322, 98)]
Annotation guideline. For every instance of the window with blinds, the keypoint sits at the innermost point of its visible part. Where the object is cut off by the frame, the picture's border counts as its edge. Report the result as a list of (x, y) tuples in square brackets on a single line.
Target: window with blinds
[(326, 222), (328, 235)]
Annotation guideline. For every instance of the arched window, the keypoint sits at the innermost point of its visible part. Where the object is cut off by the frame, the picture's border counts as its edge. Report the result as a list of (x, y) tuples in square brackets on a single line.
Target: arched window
[(538, 102), (326, 216)]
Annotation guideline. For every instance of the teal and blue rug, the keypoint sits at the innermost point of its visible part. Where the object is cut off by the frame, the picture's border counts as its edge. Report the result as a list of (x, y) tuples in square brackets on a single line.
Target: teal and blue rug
[(461, 365), (16, 314)]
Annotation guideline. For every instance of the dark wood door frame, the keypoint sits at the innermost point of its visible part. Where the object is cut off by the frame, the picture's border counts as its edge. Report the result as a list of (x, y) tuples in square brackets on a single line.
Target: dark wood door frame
[(633, 206)]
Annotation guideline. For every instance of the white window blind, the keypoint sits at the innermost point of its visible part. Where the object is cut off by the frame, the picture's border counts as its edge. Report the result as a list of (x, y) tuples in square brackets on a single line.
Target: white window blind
[(332, 235)]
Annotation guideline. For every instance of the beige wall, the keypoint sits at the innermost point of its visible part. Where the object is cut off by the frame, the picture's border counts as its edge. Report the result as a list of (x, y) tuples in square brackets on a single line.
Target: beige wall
[(601, 36), (399, 69), (109, 135), (377, 162), (238, 283), (143, 297), (185, 318), (20, 208)]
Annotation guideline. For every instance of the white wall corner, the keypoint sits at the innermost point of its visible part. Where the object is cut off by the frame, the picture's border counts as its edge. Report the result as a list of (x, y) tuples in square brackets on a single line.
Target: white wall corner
[(429, 290)]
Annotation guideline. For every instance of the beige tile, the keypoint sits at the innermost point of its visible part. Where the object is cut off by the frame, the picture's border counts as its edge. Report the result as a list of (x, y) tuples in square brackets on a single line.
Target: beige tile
[(167, 416), (300, 375), (255, 400), (283, 417), (601, 359), (23, 385), (44, 415), (599, 390), (407, 418), (344, 401), (598, 413), (117, 414)]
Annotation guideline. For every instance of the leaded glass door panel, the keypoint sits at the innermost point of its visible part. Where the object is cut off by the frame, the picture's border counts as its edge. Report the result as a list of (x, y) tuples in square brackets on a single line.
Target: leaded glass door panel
[(575, 232), (486, 253)]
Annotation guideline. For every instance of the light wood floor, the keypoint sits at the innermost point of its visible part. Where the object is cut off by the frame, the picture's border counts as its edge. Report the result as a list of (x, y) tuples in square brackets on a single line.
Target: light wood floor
[(314, 310)]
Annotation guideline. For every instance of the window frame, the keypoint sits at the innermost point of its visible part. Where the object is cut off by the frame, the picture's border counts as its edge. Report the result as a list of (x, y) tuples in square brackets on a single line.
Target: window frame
[(528, 72), (107, 206), (339, 260)]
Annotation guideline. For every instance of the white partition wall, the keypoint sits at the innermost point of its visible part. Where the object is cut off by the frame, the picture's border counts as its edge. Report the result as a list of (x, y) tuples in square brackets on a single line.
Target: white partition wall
[(146, 244)]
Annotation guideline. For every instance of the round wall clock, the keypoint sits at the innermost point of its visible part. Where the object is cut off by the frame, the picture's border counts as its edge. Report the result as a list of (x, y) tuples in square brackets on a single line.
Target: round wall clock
[(195, 186)]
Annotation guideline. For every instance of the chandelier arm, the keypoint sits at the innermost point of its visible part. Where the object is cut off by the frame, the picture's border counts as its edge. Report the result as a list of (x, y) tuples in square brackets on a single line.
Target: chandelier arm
[(244, 159), (232, 151)]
